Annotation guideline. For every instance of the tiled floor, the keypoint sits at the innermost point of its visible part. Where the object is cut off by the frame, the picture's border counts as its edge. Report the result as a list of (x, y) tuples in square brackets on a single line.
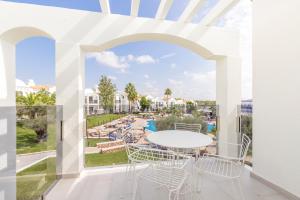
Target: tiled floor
[(111, 184)]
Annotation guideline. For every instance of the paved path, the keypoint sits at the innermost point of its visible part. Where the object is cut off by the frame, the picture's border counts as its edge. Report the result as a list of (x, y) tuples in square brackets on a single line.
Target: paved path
[(26, 160)]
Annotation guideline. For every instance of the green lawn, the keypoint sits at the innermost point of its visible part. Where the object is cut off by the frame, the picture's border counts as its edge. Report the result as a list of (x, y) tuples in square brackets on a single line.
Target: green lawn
[(27, 141), (98, 120), (92, 142), (97, 159), (34, 181)]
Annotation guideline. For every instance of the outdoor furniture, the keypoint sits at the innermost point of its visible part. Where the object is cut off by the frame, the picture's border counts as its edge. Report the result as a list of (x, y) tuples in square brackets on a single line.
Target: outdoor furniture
[(171, 174), (228, 167), (188, 127), (180, 140), (137, 153)]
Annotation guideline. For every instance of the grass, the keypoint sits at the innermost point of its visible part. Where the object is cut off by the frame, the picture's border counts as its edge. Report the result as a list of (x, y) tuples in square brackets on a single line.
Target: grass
[(27, 141), (114, 158), (35, 180), (99, 120), (92, 142)]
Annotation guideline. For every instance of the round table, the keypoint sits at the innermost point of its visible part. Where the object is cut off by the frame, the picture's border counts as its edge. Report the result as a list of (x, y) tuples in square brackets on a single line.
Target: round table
[(180, 139)]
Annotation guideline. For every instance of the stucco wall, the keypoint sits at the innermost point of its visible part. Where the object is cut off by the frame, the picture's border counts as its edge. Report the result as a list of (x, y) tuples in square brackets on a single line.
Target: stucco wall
[(276, 92)]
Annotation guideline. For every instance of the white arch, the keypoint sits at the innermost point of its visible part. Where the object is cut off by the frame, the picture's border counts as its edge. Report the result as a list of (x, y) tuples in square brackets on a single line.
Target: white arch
[(196, 48), (77, 32), (18, 34)]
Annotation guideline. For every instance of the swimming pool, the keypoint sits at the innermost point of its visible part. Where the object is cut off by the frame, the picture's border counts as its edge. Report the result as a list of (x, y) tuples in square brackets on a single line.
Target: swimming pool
[(210, 127), (151, 126)]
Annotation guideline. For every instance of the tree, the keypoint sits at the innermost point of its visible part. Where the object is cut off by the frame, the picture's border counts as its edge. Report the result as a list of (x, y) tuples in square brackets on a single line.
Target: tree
[(145, 103), (45, 98), (34, 106), (132, 94), (107, 92), (168, 93), (190, 107)]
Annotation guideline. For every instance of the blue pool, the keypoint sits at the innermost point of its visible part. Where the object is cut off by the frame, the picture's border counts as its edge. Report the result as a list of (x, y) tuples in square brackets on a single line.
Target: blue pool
[(210, 127), (151, 126)]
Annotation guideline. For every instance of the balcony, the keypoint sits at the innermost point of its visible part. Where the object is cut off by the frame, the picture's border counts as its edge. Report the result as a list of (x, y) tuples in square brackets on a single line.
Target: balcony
[(77, 33), (112, 184)]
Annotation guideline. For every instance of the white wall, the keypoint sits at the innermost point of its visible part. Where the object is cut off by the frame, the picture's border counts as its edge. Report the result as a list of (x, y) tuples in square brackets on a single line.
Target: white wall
[(276, 92)]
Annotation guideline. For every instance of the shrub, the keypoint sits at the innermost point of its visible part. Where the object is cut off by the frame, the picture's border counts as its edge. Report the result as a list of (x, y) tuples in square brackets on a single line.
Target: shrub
[(39, 125), (167, 123)]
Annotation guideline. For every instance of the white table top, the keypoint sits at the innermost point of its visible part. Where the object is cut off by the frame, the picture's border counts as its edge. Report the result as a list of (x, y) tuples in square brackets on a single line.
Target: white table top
[(180, 139)]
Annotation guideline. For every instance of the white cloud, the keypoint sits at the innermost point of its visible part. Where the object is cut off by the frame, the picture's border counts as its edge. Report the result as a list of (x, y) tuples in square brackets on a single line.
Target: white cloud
[(146, 76), (110, 59), (240, 17), (201, 85), (145, 59), (112, 78), (150, 88), (173, 66), (175, 82), (168, 55)]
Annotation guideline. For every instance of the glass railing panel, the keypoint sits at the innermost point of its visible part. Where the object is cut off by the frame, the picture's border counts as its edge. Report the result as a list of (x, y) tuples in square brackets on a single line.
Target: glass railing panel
[(246, 128), (103, 145), (7, 152), (37, 132)]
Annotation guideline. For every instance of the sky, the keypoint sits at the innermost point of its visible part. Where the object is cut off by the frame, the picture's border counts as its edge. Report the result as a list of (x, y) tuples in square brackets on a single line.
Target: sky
[(151, 65)]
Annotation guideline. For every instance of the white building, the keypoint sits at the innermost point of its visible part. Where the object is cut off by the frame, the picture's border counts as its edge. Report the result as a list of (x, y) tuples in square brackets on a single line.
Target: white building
[(121, 102), (92, 102), (30, 87)]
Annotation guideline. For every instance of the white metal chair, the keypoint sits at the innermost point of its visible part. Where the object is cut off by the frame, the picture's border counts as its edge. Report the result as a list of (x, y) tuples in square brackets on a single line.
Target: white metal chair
[(170, 174), (229, 167), (138, 153), (188, 127)]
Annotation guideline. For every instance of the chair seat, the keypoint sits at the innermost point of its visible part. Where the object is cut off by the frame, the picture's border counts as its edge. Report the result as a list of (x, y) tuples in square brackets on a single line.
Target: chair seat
[(220, 167), (145, 155), (172, 179)]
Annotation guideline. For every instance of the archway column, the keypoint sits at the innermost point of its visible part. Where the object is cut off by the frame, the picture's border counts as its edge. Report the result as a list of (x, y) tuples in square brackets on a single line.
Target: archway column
[(228, 97), (70, 94), (7, 120)]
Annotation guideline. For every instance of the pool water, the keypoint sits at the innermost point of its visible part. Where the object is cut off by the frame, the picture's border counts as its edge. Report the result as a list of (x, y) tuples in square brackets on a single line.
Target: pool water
[(210, 127), (151, 126)]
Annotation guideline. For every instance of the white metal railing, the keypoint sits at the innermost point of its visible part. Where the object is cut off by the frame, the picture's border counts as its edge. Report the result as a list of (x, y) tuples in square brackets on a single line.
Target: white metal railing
[(188, 127)]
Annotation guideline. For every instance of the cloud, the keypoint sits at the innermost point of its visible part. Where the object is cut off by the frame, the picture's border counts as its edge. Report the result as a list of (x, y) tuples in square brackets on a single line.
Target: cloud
[(110, 59), (201, 85), (146, 76), (168, 55), (150, 88), (112, 78), (173, 66), (175, 82), (145, 59)]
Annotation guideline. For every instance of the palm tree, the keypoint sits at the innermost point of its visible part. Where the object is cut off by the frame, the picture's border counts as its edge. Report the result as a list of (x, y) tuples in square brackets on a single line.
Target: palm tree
[(132, 94), (168, 93)]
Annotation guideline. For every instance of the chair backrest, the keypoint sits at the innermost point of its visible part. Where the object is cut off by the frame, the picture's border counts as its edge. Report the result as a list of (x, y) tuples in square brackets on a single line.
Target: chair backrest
[(244, 147), (188, 127)]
